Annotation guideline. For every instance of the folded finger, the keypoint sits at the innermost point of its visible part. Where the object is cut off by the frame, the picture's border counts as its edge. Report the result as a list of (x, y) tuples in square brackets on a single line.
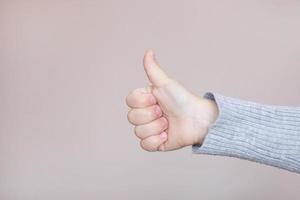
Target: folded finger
[(153, 128), (139, 116), (140, 98), (152, 143)]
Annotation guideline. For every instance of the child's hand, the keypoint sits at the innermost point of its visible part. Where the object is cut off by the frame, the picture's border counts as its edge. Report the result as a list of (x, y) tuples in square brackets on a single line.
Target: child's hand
[(166, 115)]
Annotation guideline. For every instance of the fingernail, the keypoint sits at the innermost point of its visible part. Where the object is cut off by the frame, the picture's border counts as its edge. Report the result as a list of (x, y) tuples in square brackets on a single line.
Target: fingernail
[(163, 135), (157, 111), (152, 54)]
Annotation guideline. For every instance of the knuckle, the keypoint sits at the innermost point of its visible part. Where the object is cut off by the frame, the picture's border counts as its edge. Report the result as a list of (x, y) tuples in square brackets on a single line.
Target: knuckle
[(130, 116), (133, 98), (146, 147), (137, 131), (128, 99), (142, 145), (137, 99)]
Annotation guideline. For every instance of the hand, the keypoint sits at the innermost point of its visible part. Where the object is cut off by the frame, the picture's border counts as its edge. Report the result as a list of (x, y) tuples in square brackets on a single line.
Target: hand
[(165, 114)]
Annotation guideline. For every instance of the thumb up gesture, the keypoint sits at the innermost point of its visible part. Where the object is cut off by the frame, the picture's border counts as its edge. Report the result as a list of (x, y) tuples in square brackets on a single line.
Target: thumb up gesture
[(166, 115)]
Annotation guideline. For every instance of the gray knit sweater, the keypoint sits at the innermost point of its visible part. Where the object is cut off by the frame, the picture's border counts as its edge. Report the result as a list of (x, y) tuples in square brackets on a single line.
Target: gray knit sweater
[(266, 134)]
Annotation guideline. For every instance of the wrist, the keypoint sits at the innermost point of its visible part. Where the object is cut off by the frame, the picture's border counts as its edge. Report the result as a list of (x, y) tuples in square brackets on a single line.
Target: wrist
[(208, 113)]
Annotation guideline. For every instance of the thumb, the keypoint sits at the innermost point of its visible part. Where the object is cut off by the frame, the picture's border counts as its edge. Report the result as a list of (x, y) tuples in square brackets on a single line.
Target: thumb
[(155, 74)]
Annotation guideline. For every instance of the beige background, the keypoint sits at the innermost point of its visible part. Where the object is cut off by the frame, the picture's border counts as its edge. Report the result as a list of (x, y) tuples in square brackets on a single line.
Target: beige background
[(66, 67)]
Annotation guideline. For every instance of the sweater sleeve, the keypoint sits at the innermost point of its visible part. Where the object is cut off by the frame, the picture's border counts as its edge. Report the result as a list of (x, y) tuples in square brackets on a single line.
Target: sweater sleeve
[(248, 130)]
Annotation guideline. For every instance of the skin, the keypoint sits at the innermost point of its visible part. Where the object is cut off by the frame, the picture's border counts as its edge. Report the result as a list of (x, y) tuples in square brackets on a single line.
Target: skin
[(166, 115)]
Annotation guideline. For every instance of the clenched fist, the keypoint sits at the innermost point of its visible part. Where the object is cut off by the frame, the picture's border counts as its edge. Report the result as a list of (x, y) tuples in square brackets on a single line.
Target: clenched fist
[(165, 114)]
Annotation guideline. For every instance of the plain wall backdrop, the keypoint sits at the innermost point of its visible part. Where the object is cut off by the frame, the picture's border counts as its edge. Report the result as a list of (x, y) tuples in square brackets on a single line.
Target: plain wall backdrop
[(67, 66)]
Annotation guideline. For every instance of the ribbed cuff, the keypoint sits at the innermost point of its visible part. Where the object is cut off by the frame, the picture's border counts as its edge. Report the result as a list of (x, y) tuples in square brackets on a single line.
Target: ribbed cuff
[(252, 131)]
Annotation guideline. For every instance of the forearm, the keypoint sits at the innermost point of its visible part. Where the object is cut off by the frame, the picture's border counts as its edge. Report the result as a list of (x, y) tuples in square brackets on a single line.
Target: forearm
[(253, 131)]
